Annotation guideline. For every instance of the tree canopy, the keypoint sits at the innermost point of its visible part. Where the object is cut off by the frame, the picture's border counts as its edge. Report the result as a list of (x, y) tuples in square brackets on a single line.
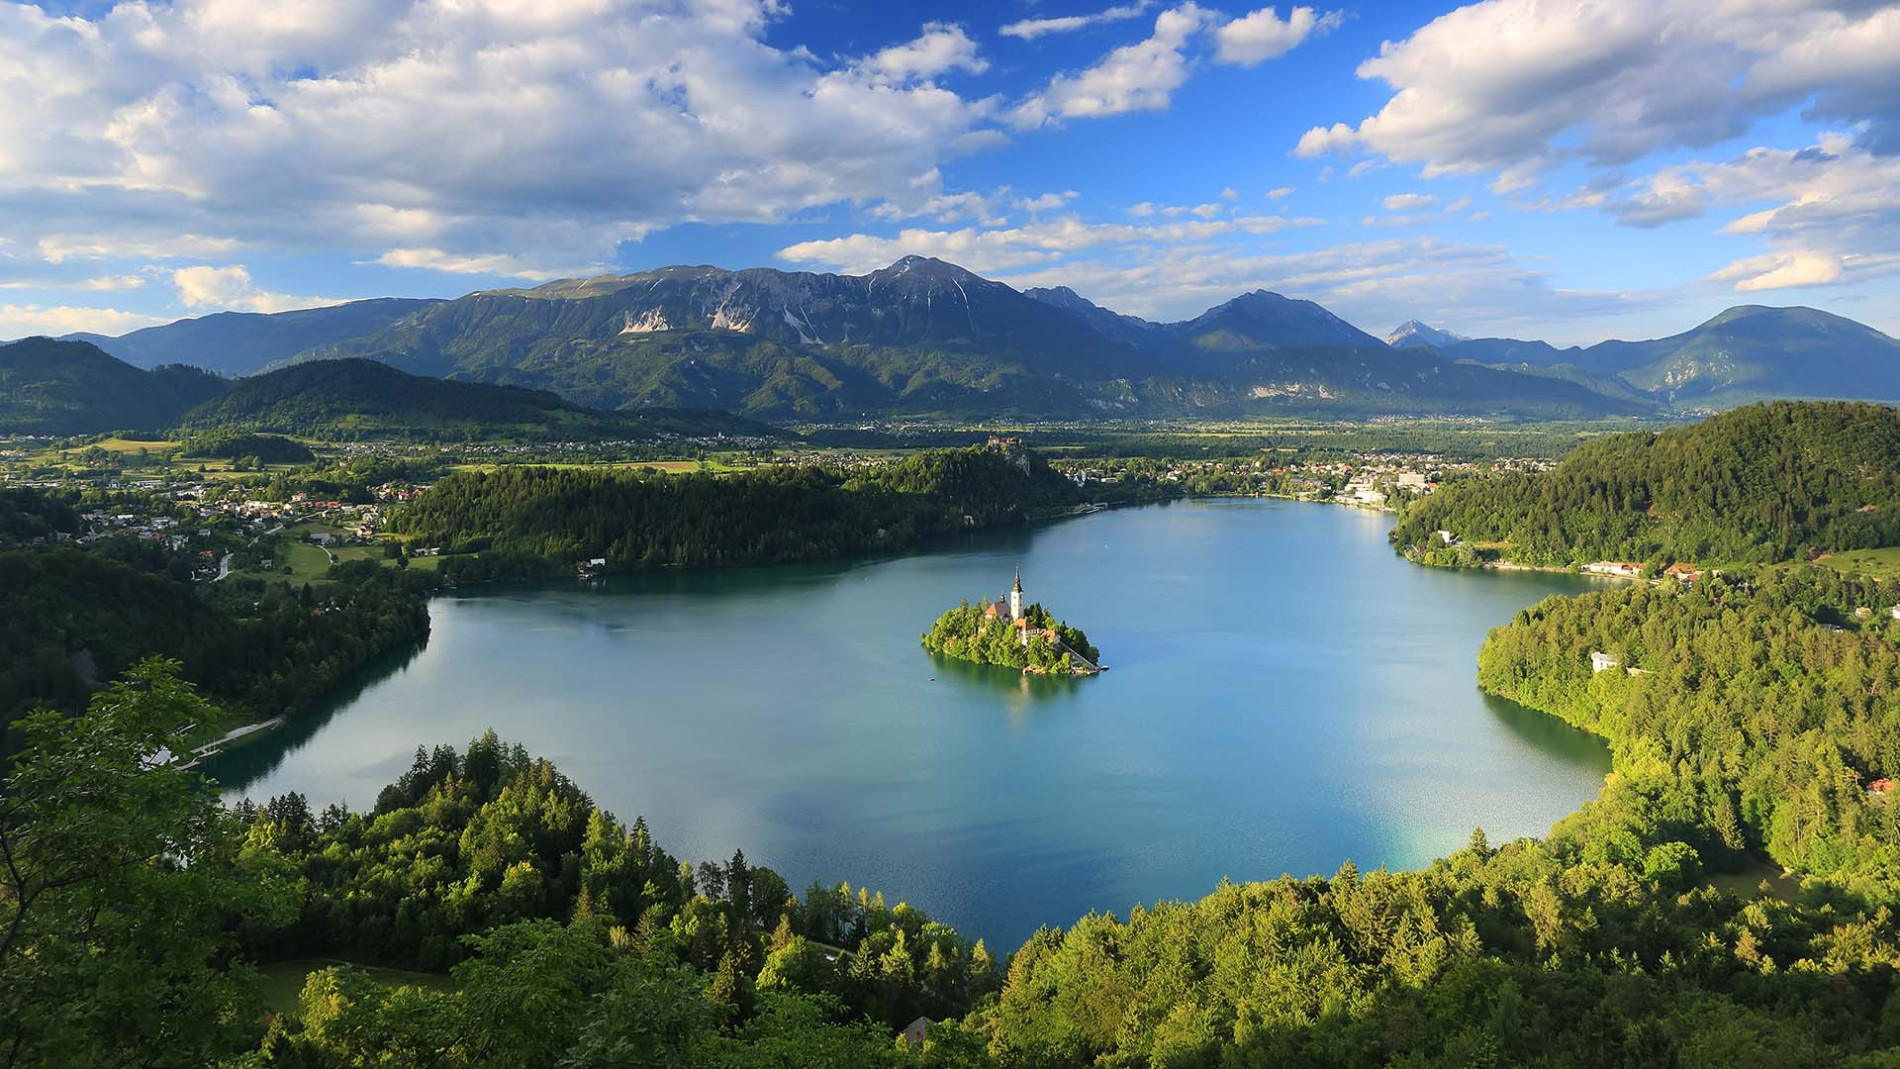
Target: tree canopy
[(1760, 484)]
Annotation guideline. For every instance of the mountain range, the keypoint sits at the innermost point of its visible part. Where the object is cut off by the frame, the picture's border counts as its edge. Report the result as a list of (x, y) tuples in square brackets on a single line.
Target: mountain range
[(923, 337), (928, 338), (72, 387), (1747, 353)]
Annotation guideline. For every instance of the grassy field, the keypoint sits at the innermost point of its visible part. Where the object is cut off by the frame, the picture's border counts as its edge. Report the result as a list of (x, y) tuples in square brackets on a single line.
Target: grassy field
[(283, 980), (674, 466), (1884, 563), (126, 445), (307, 562), (1746, 882)]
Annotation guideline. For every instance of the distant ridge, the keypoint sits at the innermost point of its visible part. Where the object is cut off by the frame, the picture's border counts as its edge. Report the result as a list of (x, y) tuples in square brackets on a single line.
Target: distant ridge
[(239, 343), (1746, 353), (349, 399), (1414, 333)]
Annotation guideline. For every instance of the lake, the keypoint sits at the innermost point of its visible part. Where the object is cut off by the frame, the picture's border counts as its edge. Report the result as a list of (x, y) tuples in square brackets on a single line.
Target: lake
[(1284, 693)]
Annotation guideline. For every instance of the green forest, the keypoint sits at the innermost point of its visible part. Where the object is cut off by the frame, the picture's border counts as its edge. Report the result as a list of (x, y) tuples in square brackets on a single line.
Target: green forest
[(1760, 484), (71, 620), (967, 634), (637, 521), (1743, 716)]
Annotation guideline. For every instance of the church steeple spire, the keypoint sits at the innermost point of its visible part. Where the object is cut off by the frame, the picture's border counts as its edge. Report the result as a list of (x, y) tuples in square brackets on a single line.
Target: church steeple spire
[(1016, 596)]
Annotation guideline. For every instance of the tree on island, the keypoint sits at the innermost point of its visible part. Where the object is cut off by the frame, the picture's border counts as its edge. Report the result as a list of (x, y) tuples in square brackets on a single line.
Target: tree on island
[(968, 634)]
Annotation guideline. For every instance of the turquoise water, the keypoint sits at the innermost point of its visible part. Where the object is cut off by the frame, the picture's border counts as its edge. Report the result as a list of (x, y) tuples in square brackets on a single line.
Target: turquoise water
[(1284, 694)]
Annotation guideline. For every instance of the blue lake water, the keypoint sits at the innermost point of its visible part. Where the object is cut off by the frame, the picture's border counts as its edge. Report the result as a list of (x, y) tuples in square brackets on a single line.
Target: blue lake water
[(1284, 694)]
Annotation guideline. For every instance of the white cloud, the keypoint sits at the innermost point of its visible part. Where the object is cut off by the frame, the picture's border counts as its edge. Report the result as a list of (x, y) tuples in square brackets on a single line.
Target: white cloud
[(1280, 193), (1781, 271), (230, 288), (1516, 86), (1229, 193), (58, 248), (939, 50), (1829, 212), (1143, 76), (1262, 35), (477, 264), (27, 320), (97, 284), (1048, 202), (1405, 202), (551, 132), (1039, 242), (1030, 29), (1138, 77)]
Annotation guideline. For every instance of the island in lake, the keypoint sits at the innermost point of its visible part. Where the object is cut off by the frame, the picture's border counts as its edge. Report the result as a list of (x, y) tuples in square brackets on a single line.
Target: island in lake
[(1010, 634)]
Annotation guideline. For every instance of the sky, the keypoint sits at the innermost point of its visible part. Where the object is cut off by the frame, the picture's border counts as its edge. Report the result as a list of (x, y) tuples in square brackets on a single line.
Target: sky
[(1571, 171)]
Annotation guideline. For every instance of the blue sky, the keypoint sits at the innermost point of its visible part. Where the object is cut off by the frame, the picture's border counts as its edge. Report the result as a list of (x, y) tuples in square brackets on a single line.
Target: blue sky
[(1564, 170)]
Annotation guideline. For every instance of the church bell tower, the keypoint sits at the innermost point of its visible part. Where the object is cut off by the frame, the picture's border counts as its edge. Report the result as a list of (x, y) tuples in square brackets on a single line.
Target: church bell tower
[(1016, 597)]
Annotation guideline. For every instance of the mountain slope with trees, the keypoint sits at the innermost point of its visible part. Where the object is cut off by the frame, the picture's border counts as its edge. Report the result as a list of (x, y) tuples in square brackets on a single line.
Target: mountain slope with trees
[(68, 387), (346, 399), (775, 515), (1759, 484)]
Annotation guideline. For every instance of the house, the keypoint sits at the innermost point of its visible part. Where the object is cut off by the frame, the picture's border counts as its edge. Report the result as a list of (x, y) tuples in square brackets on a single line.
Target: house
[(1894, 612), (1411, 480), (1448, 538), (1683, 573), (1621, 569), (1602, 662), (915, 1032), (1879, 787)]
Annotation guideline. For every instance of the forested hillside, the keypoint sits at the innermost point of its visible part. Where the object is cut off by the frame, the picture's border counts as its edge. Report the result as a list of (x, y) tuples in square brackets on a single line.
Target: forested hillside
[(1756, 485), (67, 387), (72, 620), (1742, 716), (774, 515), (354, 399)]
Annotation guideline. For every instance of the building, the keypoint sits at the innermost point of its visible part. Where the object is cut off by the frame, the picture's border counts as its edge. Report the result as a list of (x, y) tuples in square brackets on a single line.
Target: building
[(1683, 573), (1602, 662), (916, 1032), (1009, 608), (1622, 569)]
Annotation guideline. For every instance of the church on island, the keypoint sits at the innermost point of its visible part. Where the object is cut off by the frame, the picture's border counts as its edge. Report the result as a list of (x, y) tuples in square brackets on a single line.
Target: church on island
[(1009, 609), (1011, 632)]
